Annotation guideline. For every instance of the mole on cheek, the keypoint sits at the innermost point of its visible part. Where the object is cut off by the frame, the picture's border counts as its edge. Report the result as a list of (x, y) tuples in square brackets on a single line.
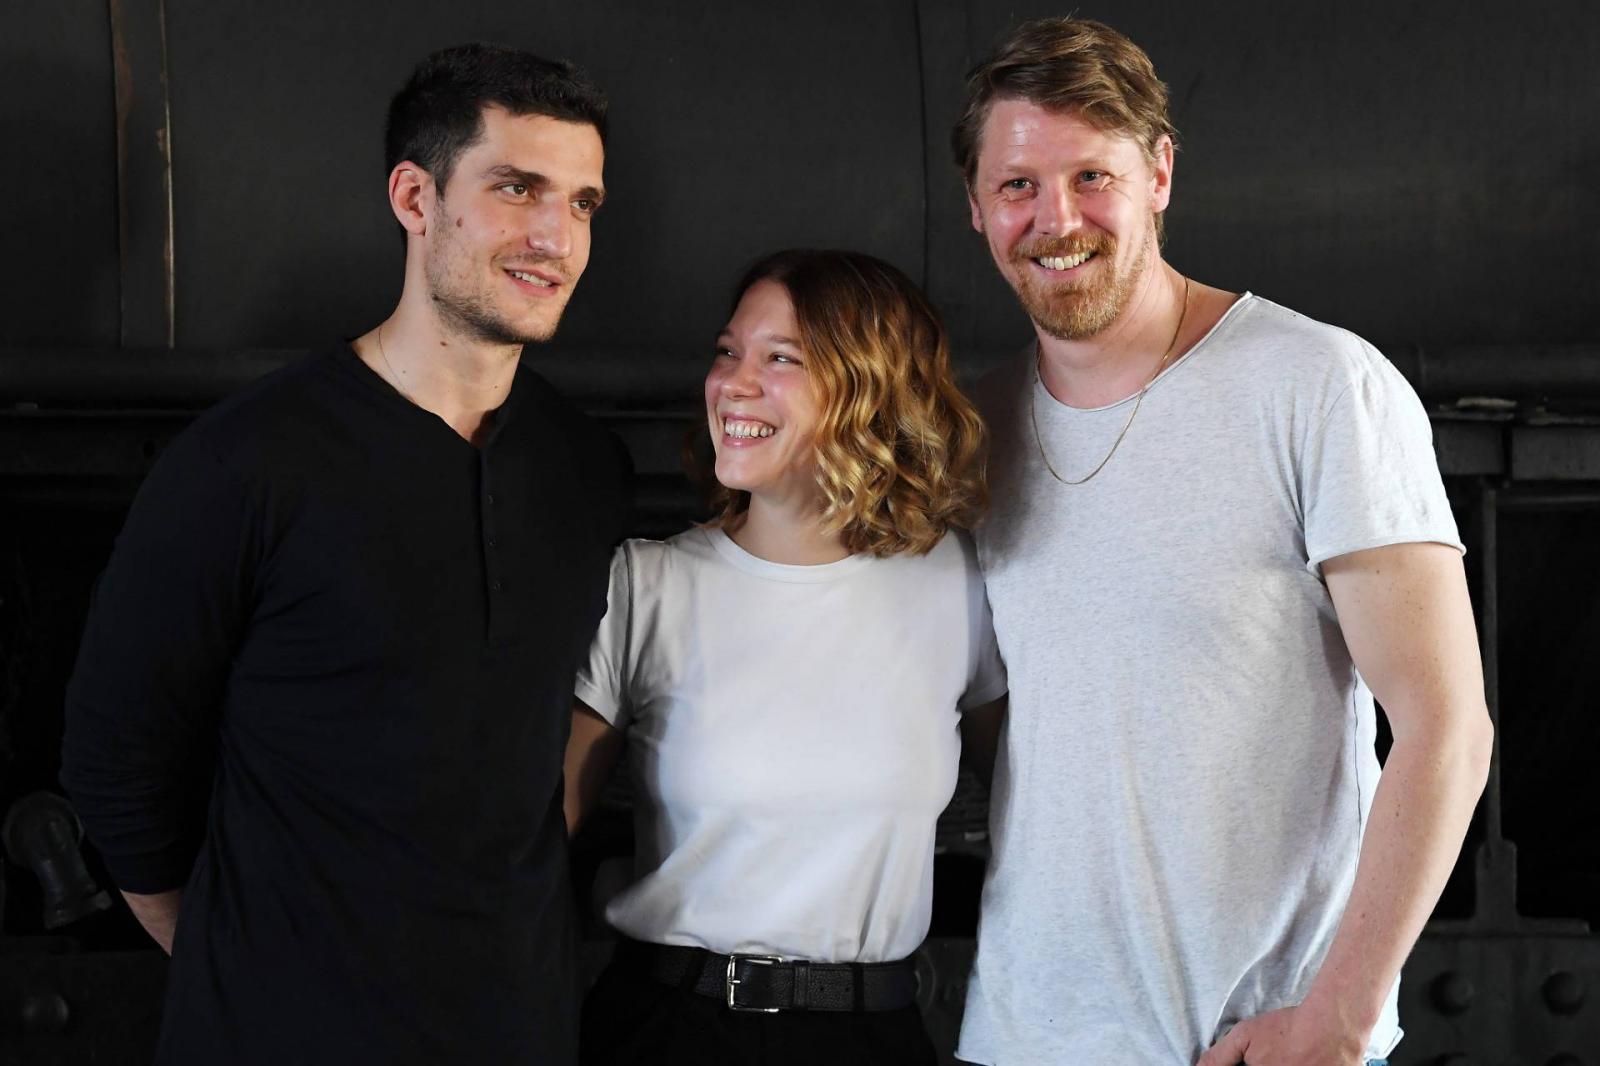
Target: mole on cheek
[(458, 223)]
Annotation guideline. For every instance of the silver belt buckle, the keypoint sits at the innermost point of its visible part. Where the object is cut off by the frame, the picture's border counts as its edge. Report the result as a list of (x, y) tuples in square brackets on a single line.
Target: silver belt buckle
[(730, 982)]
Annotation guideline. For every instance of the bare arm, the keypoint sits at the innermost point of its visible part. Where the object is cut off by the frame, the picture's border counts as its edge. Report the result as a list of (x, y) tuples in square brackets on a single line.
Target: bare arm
[(158, 913), (592, 751), (1407, 621), (980, 738)]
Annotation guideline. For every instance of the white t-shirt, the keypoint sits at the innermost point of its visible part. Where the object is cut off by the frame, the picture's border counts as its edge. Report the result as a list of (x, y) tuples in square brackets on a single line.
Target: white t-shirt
[(793, 738), (1188, 762)]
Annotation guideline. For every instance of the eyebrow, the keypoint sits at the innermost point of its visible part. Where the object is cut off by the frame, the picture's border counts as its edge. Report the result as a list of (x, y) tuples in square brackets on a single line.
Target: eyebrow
[(539, 181), (775, 338)]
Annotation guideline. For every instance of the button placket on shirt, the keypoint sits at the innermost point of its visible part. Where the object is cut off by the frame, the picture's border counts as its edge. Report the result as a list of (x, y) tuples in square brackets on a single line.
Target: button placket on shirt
[(491, 558)]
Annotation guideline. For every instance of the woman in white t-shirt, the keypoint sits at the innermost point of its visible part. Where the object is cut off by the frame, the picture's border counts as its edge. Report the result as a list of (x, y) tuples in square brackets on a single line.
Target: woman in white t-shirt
[(791, 678)]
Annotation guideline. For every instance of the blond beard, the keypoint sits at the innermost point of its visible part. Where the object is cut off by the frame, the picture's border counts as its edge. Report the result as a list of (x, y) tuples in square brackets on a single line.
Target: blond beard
[(1078, 311)]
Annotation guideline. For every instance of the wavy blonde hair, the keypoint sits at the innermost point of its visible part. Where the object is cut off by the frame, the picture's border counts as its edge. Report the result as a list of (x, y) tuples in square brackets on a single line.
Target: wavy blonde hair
[(900, 450)]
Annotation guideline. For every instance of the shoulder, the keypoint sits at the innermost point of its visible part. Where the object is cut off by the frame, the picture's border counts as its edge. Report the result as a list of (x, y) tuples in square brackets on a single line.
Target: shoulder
[(240, 435), (955, 550), (1294, 351), (654, 560), (952, 559)]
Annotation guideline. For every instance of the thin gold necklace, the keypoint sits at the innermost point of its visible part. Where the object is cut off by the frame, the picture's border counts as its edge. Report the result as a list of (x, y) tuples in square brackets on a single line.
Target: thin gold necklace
[(1038, 371), (394, 379)]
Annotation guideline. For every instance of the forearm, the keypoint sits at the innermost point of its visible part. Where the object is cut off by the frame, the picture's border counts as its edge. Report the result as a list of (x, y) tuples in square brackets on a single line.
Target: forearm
[(139, 790), (1424, 802), (158, 913), (592, 750)]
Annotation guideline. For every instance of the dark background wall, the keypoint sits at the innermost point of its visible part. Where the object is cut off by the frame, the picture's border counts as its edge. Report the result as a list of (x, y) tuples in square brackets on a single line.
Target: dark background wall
[(1418, 172), (206, 176)]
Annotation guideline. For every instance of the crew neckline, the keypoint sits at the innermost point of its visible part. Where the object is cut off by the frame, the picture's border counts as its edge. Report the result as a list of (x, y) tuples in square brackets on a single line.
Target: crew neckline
[(1042, 393), (798, 573)]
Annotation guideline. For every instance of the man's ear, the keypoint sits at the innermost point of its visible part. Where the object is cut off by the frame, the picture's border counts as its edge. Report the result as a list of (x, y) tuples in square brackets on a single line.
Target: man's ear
[(1161, 176), (411, 197), (977, 216)]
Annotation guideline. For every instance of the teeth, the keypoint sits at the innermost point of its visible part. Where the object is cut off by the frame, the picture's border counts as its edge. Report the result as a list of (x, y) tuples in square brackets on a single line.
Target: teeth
[(1063, 262), (746, 429), (532, 279)]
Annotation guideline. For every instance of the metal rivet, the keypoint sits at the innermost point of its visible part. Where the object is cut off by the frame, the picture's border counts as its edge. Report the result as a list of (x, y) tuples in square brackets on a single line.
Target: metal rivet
[(45, 1012), (1451, 993), (1564, 992)]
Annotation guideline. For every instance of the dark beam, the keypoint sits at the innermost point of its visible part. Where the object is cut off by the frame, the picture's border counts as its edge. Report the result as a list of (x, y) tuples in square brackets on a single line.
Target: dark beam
[(626, 377)]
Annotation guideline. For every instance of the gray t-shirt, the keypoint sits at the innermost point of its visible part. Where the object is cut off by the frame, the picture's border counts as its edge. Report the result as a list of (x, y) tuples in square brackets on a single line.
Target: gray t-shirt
[(1188, 762)]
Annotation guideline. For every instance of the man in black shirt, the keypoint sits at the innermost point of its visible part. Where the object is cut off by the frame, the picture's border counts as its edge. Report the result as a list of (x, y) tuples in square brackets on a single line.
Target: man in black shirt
[(351, 601)]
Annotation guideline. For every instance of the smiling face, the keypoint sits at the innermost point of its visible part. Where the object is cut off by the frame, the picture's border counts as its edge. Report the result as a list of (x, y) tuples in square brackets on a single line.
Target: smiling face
[(1068, 211), (509, 238), (761, 406)]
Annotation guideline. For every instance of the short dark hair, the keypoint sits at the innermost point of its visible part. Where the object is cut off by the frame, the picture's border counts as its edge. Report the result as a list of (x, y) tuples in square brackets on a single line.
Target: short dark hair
[(438, 114)]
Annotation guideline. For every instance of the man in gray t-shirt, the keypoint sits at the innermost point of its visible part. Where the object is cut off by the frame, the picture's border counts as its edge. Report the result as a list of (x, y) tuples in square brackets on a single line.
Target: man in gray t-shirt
[(1217, 532)]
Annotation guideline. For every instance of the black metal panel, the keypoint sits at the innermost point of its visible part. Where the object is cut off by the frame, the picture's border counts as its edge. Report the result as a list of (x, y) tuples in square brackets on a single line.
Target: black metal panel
[(1549, 628), (1560, 452), (59, 243), (1529, 999), (1469, 448), (60, 1008), (1411, 171), (737, 129)]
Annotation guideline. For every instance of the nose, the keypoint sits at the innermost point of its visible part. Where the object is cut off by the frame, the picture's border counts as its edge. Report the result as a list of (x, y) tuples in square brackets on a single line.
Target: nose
[(741, 380), (1058, 212), (549, 228)]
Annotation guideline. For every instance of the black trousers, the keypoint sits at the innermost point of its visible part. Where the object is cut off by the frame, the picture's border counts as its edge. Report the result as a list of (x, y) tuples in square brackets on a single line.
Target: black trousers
[(630, 1019)]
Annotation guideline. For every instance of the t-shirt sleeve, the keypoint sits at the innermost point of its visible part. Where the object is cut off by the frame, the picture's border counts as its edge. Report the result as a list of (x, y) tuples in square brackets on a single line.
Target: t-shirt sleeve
[(602, 682), (986, 671), (1369, 476), (144, 699)]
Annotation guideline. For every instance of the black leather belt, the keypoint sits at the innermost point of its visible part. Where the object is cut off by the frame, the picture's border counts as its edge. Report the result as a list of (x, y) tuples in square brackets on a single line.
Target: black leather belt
[(767, 984)]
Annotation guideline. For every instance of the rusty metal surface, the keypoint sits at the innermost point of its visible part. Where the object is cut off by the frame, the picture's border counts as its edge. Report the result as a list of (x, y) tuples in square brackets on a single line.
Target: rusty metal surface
[(144, 173)]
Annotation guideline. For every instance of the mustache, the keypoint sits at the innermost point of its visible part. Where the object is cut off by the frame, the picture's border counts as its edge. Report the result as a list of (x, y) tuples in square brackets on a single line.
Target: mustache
[(1068, 244)]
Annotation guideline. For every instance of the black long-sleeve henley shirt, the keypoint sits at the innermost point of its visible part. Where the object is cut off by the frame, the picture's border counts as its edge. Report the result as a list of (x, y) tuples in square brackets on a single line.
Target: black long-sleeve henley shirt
[(361, 631)]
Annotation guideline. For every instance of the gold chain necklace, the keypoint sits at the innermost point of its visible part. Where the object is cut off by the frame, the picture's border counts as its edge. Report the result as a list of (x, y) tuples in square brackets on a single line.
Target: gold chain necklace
[(1038, 370), (394, 379)]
